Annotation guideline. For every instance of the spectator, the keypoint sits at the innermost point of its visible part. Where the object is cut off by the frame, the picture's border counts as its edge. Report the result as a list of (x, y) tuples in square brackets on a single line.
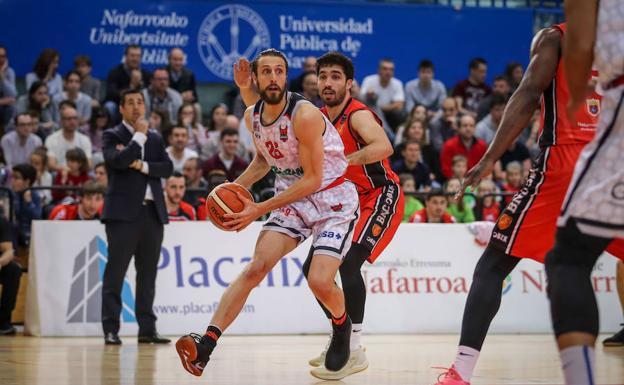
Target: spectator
[(469, 92), (198, 135), (177, 209), (75, 174), (192, 172), (444, 126), (413, 165), (39, 160), (88, 84), (99, 174), (490, 209), (10, 274), (73, 94), (514, 73), (385, 92), (501, 87), (309, 65), (26, 205), (39, 102), (67, 138), (127, 75), (89, 206), (513, 180), (425, 90), (464, 143), (461, 211), (181, 78), (310, 88), (417, 132), (419, 113), (216, 124), (412, 204), (178, 150), (226, 159), (486, 128), (161, 97), (518, 152), (45, 70), (17, 145), (99, 122), (159, 121), (459, 166), (8, 92), (434, 211)]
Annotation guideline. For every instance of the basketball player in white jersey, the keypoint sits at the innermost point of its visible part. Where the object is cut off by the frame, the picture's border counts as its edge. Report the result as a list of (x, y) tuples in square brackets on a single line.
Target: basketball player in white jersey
[(312, 198), (593, 212)]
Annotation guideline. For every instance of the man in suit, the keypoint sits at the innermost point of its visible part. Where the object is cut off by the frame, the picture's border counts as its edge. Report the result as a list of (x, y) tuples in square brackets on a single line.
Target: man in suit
[(134, 214), (181, 78)]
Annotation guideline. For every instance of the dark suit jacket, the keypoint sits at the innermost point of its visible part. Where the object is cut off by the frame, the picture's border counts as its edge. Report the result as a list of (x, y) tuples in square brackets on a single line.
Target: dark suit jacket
[(118, 80), (186, 82), (126, 187)]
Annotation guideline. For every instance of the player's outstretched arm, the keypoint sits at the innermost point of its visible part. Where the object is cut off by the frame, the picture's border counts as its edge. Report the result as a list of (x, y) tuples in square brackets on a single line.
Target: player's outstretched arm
[(242, 78), (578, 54), (377, 146), (258, 167), (545, 51)]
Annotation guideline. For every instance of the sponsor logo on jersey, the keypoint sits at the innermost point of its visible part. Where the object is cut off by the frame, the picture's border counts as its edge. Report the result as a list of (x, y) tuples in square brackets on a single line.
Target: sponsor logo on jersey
[(387, 204), (283, 129), (500, 237), (337, 208), (376, 230), (593, 106), (504, 222), (287, 171)]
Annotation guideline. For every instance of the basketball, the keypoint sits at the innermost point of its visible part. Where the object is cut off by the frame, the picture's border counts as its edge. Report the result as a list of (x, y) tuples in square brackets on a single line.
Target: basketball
[(224, 199)]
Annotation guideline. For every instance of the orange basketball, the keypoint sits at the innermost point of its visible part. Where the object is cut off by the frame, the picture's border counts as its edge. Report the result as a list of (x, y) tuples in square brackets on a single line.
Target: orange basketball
[(224, 199)]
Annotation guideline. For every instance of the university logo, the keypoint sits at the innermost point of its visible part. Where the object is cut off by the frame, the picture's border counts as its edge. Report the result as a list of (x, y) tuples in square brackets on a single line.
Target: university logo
[(228, 33), (85, 295)]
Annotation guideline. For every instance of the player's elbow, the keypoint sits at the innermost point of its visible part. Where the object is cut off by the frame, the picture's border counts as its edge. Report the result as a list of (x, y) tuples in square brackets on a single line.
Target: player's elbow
[(387, 149)]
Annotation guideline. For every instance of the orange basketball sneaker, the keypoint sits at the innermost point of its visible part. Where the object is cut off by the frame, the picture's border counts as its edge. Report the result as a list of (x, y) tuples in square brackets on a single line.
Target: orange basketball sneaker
[(450, 377)]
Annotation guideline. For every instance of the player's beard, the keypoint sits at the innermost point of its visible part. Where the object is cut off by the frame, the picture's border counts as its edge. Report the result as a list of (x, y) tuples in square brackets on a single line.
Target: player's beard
[(269, 99), (339, 97)]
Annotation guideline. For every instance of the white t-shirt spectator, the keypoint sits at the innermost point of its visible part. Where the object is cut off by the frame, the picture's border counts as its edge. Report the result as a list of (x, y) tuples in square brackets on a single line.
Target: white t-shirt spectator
[(57, 145), (393, 92), (178, 165)]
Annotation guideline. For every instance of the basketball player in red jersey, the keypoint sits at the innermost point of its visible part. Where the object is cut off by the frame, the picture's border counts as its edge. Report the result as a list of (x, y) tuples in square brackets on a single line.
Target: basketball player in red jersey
[(381, 199), (526, 228)]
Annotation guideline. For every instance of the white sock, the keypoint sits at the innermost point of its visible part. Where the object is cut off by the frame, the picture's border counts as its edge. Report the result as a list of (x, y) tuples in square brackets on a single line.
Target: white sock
[(356, 337), (465, 361), (577, 363)]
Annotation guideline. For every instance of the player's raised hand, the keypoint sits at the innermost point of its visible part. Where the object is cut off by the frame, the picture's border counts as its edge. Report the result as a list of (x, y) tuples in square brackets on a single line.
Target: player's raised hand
[(242, 73), (474, 176)]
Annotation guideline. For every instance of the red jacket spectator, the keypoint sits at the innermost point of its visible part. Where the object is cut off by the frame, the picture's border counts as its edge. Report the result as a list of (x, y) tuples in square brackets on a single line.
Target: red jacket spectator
[(69, 213), (420, 216), (215, 163), (490, 214), (72, 180), (185, 212), (455, 146)]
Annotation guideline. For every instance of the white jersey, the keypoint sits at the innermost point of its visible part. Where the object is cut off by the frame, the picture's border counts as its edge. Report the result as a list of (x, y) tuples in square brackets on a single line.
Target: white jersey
[(609, 47), (280, 147)]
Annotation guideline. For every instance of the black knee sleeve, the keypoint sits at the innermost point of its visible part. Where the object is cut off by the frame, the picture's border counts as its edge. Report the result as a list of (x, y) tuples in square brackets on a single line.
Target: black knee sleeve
[(569, 265), (485, 294), (352, 282)]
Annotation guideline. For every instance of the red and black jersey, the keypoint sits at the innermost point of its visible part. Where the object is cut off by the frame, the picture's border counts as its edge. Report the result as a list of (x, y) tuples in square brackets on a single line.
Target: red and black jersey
[(555, 128), (368, 176), (185, 212), (69, 213)]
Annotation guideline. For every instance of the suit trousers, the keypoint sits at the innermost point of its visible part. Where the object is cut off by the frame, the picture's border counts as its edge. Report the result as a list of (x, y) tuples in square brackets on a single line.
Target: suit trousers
[(143, 239)]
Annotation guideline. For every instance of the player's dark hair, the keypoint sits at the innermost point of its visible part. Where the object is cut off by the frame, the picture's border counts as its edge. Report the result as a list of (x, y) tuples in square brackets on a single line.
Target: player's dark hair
[(124, 93), (425, 64), (228, 132), (336, 58), (268, 52), (476, 62)]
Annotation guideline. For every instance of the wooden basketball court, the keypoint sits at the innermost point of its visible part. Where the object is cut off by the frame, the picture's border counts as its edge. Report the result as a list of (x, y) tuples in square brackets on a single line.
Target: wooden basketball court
[(282, 360)]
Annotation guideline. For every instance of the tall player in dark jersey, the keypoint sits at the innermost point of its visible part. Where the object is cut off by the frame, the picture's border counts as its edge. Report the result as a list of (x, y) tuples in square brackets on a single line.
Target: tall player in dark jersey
[(527, 226), (381, 199)]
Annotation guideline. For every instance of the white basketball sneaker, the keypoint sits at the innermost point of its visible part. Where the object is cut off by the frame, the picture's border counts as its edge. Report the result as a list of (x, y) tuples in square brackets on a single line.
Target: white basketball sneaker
[(357, 363), (320, 359)]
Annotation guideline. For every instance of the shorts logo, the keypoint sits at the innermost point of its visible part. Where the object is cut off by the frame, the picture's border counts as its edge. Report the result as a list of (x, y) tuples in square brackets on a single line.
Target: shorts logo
[(618, 191), (337, 208), (504, 222), (593, 106), (376, 230)]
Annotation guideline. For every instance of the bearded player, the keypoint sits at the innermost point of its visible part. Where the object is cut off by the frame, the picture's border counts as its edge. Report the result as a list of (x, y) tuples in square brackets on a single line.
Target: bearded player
[(312, 198), (527, 226), (381, 199)]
